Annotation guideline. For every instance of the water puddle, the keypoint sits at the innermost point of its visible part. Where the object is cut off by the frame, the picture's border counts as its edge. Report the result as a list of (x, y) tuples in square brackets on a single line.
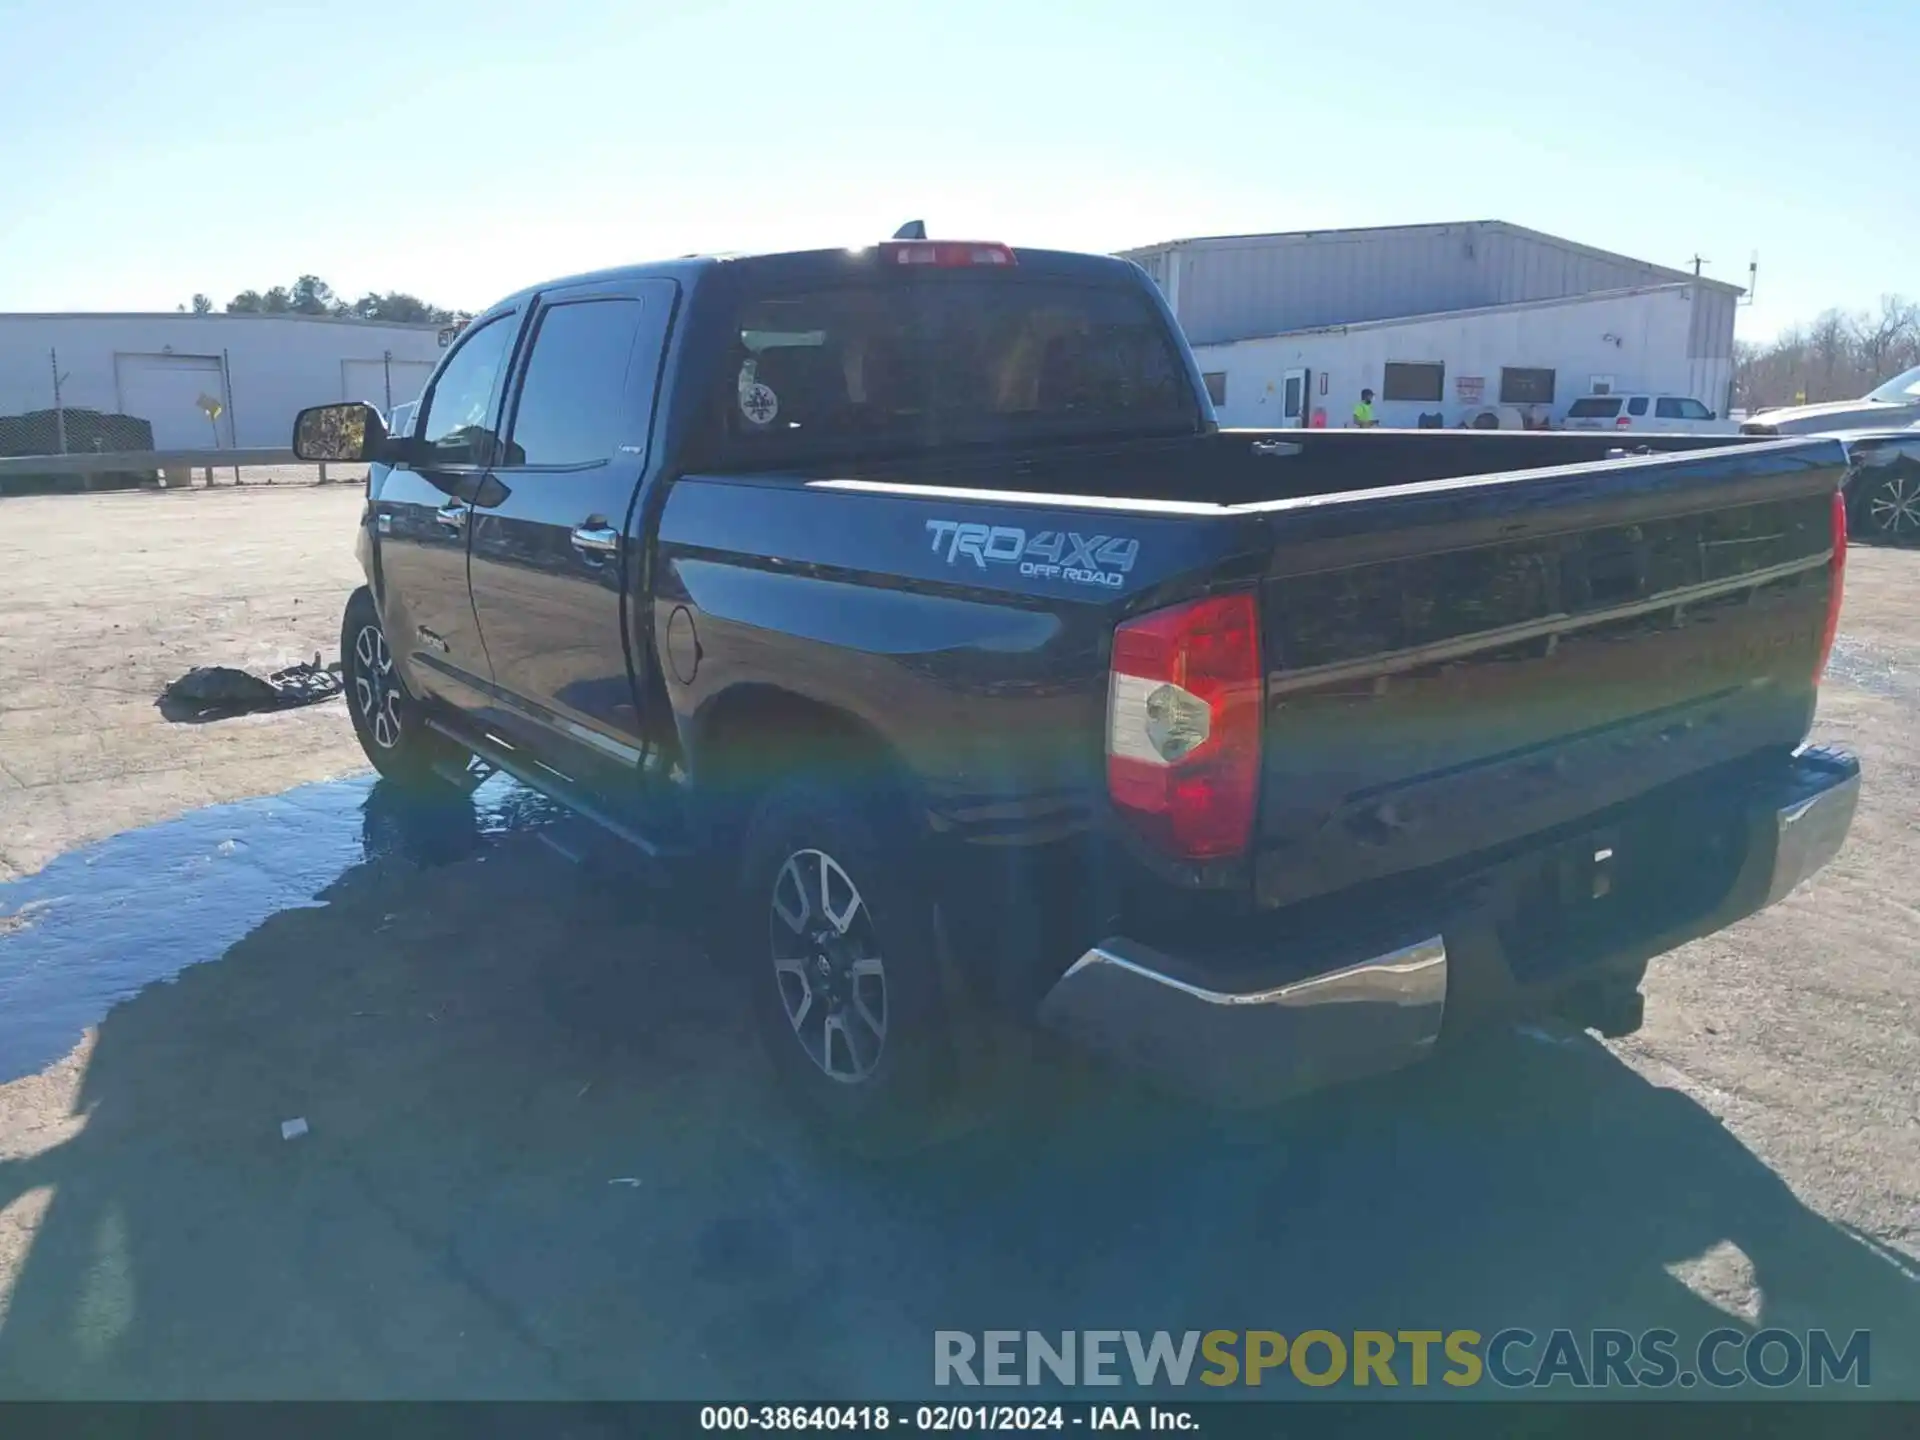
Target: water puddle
[(99, 924)]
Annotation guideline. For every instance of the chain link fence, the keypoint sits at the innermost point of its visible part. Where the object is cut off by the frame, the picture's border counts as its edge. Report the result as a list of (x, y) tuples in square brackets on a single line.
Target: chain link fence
[(44, 424), (37, 421)]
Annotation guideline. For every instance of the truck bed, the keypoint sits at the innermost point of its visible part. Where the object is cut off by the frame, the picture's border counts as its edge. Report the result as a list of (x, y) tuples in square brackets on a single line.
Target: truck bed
[(1459, 653)]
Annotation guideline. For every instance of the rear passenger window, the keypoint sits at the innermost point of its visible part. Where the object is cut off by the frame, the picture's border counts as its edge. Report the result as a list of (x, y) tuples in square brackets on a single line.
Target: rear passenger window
[(1637, 405), (573, 394)]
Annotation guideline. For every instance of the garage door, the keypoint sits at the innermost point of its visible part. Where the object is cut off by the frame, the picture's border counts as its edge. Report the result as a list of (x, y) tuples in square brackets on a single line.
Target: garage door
[(167, 391), (383, 383)]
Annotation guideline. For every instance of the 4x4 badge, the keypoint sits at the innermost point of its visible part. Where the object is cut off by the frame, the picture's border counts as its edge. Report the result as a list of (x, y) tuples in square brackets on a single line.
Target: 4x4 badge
[(1103, 560)]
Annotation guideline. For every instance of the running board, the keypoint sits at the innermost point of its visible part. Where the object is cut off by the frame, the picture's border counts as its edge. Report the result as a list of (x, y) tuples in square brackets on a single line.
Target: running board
[(550, 785), (465, 778)]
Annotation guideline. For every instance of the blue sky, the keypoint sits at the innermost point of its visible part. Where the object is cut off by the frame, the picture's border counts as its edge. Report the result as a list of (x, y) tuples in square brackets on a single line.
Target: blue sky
[(153, 148)]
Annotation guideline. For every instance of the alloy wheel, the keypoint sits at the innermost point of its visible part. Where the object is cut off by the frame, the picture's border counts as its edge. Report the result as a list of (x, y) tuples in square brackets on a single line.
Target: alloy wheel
[(1893, 506), (827, 966), (375, 690)]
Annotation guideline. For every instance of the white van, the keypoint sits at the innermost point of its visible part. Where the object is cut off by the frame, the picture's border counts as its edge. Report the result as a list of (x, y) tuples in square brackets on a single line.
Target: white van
[(1664, 414)]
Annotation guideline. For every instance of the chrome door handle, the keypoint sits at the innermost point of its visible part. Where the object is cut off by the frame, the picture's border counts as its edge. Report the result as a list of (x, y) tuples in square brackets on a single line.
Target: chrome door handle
[(596, 539), (453, 515)]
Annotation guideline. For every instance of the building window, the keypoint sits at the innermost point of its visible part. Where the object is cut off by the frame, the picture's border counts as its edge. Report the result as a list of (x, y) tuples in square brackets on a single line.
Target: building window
[(1525, 387), (1413, 382), (1216, 381)]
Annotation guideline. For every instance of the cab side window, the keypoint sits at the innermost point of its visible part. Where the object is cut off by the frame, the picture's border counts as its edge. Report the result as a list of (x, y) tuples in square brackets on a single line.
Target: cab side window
[(459, 408), (573, 393)]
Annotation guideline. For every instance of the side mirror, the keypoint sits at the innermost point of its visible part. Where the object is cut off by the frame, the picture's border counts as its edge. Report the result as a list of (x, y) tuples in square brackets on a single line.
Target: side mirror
[(353, 431), (1713, 414)]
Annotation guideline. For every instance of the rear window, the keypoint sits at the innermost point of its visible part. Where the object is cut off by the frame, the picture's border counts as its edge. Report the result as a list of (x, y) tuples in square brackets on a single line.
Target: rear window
[(906, 363), (1595, 407)]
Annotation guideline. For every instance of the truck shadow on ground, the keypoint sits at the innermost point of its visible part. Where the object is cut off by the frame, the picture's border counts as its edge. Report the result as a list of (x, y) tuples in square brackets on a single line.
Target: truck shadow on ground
[(545, 1160)]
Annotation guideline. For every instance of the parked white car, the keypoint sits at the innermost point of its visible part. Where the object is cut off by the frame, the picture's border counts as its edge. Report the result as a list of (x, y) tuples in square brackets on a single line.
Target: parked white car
[(1895, 403), (1662, 414)]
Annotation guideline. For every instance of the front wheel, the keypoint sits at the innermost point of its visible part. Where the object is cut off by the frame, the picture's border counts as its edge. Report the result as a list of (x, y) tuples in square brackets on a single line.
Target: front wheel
[(386, 719), (838, 943)]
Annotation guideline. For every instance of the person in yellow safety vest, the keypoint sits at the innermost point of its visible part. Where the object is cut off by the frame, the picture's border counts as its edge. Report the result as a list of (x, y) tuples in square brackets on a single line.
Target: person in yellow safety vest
[(1363, 412)]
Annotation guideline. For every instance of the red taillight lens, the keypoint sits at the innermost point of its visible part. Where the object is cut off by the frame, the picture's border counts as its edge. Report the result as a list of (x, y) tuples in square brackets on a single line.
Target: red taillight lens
[(1183, 725), (946, 254), (1837, 581), (1624, 422)]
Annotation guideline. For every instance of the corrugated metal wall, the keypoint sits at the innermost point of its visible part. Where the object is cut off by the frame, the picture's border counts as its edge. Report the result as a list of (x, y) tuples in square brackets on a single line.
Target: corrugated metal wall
[(1239, 287), (1233, 289)]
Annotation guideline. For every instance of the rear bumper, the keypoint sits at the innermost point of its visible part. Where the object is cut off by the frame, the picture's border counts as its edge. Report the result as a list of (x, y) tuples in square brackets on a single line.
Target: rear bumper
[(1205, 1028)]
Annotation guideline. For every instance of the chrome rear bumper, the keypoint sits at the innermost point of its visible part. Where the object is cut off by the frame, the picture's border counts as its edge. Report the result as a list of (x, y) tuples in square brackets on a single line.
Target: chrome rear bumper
[(1157, 1012), (1376, 1015), (1812, 817)]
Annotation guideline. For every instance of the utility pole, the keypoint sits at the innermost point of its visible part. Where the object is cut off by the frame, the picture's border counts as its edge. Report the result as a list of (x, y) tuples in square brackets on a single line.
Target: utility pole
[(59, 410)]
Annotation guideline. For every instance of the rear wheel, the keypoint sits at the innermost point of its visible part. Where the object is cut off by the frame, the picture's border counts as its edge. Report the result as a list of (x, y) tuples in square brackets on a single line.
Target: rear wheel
[(838, 941), (386, 719), (1890, 505)]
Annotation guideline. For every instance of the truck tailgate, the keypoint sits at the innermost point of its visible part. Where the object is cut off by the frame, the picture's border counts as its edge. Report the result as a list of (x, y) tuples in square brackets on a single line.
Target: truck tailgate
[(1453, 666)]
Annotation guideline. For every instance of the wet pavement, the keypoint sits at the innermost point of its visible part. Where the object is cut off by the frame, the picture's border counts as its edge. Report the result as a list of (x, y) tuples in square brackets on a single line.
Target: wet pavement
[(98, 925), (544, 1159)]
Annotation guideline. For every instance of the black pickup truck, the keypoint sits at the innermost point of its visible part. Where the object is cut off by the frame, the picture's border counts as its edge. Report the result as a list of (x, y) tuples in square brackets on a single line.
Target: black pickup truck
[(912, 596)]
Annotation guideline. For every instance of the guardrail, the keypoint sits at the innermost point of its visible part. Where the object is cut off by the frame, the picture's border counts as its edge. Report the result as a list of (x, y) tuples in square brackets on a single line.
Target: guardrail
[(99, 462), (173, 467)]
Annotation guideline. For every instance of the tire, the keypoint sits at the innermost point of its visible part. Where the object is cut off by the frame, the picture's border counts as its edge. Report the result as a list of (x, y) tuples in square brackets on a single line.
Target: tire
[(844, 985), (387, 720), (1888, 507)]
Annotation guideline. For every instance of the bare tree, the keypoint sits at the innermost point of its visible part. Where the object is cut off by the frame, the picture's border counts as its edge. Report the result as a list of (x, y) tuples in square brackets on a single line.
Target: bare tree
[(1885, 340), (1839, 357)]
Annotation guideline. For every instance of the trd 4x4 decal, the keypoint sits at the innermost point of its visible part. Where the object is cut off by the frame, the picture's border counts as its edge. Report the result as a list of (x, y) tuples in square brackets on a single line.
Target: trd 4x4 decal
[(1102, 560)]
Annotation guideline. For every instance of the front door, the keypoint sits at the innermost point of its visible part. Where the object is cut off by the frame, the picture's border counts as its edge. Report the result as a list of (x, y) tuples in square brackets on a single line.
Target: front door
[(420, 522), (553, 555), (1293, 398)]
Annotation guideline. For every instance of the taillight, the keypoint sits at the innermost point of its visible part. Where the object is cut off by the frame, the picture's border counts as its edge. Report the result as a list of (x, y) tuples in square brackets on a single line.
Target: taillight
[(1836, 583), (1183, 725), (946, 254), (1624, 422)]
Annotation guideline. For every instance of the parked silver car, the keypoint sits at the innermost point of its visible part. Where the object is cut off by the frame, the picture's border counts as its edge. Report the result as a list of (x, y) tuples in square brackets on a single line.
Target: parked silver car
[(1895, 403)]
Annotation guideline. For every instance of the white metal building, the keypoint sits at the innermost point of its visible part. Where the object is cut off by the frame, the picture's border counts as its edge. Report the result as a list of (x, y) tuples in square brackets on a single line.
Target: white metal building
[(1451, 320), (256, 371)]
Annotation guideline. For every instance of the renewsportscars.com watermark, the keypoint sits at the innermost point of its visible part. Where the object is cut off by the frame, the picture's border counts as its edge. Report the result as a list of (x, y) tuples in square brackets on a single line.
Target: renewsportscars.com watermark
[(1511, 1358)]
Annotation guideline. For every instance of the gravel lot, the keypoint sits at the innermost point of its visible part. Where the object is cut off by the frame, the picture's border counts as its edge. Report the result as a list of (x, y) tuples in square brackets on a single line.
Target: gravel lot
[(543, 1160)]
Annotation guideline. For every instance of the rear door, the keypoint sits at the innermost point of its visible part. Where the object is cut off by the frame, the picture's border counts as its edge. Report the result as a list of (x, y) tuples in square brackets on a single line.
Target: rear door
[(552, 560), (420, 520), (1683, 415)]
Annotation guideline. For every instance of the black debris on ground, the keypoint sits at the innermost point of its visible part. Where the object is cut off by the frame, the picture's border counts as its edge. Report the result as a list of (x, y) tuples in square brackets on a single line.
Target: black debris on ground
[(217, 692)]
